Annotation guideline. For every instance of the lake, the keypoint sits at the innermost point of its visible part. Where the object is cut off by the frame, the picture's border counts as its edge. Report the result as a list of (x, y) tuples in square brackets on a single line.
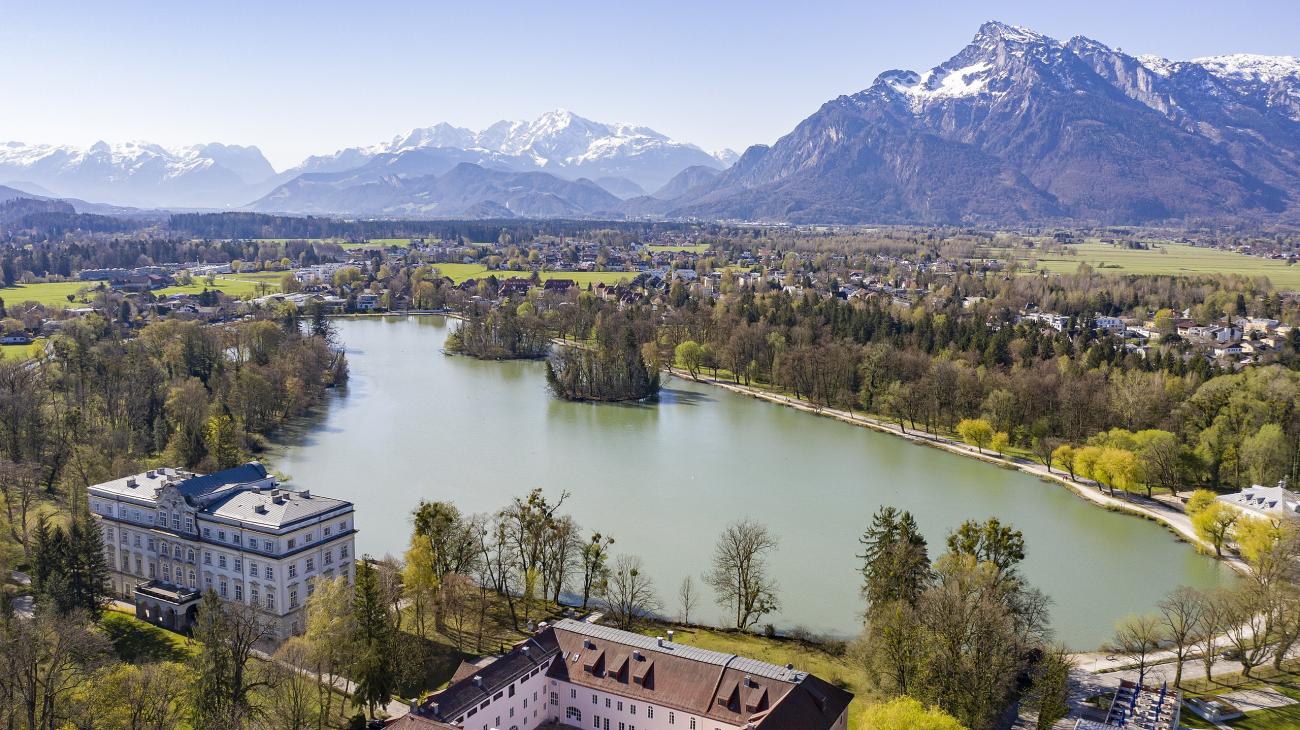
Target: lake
[(663, 478)]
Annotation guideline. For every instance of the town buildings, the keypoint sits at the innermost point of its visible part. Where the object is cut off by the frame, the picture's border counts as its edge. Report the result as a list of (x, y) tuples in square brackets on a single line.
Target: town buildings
[(169, 535), (582, 675)]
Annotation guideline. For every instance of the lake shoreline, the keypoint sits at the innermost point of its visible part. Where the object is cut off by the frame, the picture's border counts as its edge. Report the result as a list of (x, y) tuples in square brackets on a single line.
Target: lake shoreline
[(1174, 521)]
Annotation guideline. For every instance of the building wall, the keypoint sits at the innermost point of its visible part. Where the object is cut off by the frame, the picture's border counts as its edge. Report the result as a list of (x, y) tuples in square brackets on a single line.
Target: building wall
[(623, 714), (138, 550), (527, 707)]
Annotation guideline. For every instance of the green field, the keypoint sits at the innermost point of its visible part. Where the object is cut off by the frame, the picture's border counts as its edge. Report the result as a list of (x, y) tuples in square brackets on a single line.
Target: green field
[(1163, 258), (53, 294), (689, 248), (461, 272), (380, 242), (21, 352), (234, 285)]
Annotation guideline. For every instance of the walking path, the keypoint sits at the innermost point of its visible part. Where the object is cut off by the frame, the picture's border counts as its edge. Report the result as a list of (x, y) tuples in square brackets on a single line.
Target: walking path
[(1167, 512)]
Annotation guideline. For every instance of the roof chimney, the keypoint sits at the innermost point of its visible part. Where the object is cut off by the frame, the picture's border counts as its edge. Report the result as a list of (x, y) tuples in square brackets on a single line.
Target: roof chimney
[(478, 680), (305, 494), (524, 648), (149, 474), (670, 636), (659, 641)]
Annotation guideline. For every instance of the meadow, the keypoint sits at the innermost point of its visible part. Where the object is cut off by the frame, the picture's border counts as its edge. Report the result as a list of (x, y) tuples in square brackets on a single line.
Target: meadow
[(52, 294), (1162, 258)]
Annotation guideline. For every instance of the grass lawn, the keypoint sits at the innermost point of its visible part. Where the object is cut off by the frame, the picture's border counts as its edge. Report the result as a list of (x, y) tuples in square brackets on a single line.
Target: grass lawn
[(688, 248), (53, 294), (1279, 718), (235, 285), (1162, 258), (137, 641), (461, 272), (273, 277), (21, 352), (835, 668), (380, 242)]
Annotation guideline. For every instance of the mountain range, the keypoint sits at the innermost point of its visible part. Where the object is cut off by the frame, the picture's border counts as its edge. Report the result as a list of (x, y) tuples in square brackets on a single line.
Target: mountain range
[(1018, 126), (626, 160), (1015, 127)]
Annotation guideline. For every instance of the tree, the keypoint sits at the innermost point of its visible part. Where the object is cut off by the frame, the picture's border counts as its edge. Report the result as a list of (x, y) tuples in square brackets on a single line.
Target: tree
[(1049, 690), (1268, 454), (1181, 613), (691, 355), (989, 542), (139, 697), (739, 572), (222, 681), (906, 713), (330, 636), (687, 598), (292, 697), (43, 662), (1214, 524), (1160, 456), (629, 595), (1001, 443), (1199, 500), (1063, 457), (976, 432), (1137, 637), (221, 437), (373, 667), (895, 562), (595, 554), (1045, 448)]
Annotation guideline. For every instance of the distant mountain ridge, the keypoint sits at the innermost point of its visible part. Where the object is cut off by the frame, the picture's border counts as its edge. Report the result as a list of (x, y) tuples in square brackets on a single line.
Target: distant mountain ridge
[(559, 142), (1018, 126), (140, 173)]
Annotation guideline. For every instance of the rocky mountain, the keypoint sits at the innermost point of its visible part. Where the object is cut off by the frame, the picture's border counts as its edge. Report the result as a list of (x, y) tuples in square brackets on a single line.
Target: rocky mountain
[(140, 173), (1018, 126), (558, 142), (686, 180), (465, 190)]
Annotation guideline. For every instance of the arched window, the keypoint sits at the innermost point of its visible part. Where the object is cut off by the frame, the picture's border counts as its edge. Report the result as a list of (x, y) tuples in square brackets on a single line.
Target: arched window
[(574, 714)]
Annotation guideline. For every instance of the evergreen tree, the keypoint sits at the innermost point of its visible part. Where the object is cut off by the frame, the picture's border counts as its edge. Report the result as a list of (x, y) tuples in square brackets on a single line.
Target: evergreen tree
[(374, 671), (896, 564)]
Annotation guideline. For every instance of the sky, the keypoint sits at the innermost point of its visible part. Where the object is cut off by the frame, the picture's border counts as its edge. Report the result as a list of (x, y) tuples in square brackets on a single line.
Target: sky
[(302, 78)]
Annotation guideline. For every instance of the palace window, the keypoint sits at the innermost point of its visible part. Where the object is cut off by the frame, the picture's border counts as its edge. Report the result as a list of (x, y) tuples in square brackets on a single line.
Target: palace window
[(311, 564), (221, 561), (176, 521), (573, 713), (293, 596), (237, 566), (270, 573), (252, 568), (329, 557), (293, 543), (239, 592), (221, 535), (162, 518), (293, 570)]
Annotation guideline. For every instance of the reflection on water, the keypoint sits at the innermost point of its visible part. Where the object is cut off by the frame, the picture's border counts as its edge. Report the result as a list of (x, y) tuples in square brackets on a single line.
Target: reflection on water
[(664, 476)]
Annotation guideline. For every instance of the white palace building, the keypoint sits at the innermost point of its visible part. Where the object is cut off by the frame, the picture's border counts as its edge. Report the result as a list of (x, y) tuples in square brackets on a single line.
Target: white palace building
[(170, 535), (578, 675)]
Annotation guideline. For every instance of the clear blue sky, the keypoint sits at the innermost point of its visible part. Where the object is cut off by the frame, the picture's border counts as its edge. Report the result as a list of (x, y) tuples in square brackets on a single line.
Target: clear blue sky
[(297, 78)]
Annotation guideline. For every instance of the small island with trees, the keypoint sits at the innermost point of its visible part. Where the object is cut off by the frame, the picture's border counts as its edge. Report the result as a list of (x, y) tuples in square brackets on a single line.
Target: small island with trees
[(611, 369)]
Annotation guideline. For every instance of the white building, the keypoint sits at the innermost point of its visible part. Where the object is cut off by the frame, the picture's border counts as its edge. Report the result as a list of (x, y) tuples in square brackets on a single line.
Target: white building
[(582, 675), (1268, 502), (170, 535)]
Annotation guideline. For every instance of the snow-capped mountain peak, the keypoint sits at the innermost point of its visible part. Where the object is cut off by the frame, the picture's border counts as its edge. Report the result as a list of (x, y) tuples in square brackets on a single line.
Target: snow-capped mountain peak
[(1251, 67)]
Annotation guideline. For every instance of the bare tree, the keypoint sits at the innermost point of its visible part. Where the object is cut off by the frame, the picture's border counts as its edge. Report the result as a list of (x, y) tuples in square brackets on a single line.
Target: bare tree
[(629, 593), (292, 698), (1181, 613), (1248, 626), (42, 662), (595, 555), (688, 598), (1137, 637), (459, 599), (1213, 616), (739, 573), (20, 487)]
